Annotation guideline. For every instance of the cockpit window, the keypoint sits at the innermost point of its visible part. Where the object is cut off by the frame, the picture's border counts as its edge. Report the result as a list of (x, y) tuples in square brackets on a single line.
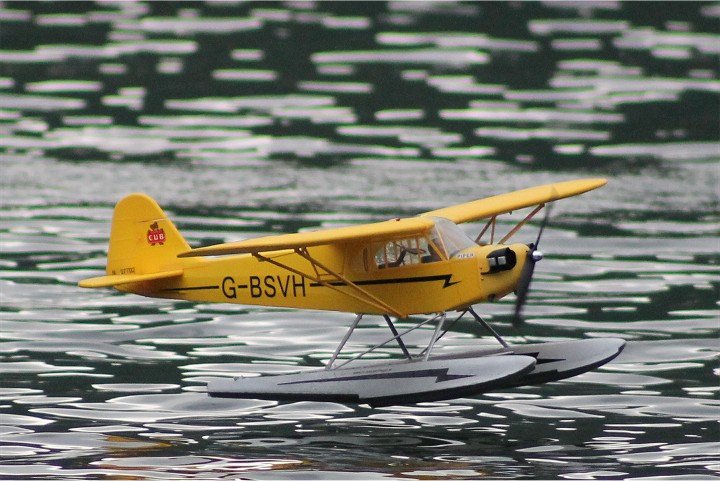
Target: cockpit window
[(404, 252), (449, 236), (440, 243)]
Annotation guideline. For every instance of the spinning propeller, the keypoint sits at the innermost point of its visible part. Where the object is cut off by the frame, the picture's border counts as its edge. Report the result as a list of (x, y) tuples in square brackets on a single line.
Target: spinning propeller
[(533, 257)]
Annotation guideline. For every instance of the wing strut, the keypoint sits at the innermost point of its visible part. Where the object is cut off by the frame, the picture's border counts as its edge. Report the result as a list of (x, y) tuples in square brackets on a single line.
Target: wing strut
[(521, 223), (356, 291), (491, 222)]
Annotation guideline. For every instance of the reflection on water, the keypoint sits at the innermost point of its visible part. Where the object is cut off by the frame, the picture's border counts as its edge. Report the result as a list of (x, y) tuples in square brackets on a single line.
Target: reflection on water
[(260, 118)]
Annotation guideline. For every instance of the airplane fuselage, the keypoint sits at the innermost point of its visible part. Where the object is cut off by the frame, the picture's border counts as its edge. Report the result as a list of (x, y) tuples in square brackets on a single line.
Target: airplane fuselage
[(289, 279)]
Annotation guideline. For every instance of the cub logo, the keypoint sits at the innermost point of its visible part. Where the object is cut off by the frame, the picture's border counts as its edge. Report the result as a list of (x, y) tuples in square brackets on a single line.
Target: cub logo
[(155, 235)]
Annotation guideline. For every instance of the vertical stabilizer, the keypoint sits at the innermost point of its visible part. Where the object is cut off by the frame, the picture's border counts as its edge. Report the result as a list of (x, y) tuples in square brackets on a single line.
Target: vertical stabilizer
[(142, 239)]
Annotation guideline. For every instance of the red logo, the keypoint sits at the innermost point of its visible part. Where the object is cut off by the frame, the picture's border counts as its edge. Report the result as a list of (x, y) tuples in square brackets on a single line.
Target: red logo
[(155, 235)]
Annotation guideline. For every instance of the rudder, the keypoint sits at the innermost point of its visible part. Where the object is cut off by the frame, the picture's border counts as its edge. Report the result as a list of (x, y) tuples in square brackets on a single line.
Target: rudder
[(142, 239)]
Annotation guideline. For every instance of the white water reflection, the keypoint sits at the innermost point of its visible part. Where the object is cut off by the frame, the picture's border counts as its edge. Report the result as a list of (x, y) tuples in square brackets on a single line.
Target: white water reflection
[(429, 56)]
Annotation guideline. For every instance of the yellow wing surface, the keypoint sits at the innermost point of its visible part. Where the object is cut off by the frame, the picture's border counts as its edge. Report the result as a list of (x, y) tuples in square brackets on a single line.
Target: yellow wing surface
[(504, 203), (389, 228), (471, 211)]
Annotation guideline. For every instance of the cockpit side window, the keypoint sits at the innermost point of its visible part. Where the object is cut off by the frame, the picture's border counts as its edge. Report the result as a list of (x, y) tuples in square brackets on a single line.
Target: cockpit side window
[(405, 252), (439, 243)]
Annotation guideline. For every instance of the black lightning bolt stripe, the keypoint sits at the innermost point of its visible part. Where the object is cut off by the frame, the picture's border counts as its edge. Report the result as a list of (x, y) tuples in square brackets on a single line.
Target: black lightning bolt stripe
[(440, 374), (542, 360), (198, 288), (401, 280), (447, 278)]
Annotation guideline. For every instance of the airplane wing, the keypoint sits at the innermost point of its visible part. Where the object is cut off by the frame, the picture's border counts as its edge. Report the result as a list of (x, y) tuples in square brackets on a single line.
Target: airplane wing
[(380, 230), (467, 212), (504, 203)]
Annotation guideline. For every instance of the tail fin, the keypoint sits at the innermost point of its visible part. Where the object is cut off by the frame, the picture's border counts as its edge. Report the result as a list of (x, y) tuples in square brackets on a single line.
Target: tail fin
[(144, 244)]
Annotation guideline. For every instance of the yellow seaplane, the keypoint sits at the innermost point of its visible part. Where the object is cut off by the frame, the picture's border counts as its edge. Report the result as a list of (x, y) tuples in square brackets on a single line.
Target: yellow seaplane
[(424, 266)]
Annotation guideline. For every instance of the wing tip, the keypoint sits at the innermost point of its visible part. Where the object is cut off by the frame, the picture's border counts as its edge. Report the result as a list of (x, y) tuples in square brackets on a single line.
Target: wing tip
[(575, 187)]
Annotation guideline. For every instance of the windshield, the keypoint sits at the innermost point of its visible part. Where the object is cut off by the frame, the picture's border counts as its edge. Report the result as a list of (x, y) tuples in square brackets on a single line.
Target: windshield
[(449, 236)]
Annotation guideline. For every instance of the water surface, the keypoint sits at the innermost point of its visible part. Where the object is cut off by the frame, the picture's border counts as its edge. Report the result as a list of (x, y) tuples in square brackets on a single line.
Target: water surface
[(257, 118)]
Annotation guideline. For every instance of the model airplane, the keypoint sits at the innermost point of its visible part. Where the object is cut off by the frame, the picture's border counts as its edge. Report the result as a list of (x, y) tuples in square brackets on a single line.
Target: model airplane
[(396, 268)]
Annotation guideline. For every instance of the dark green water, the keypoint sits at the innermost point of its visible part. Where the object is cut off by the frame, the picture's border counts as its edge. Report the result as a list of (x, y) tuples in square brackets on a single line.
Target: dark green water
[(254, 118)]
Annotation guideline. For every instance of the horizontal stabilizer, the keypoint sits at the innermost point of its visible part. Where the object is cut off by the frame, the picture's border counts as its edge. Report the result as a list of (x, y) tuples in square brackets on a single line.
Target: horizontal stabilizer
[(109, 281)]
